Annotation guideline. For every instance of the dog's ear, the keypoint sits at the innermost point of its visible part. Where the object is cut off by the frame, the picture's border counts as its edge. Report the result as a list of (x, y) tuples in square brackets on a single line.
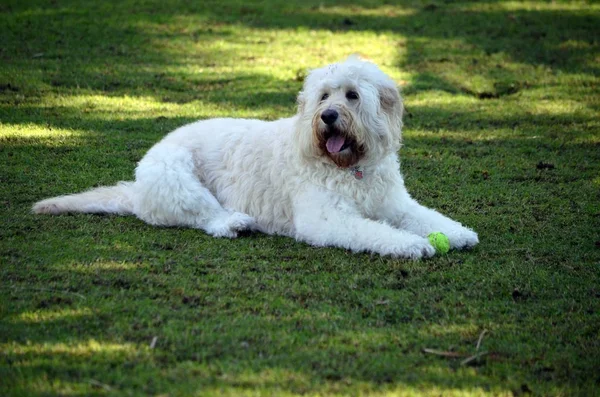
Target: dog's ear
[(392, 107), (301, 100), (390, 99)]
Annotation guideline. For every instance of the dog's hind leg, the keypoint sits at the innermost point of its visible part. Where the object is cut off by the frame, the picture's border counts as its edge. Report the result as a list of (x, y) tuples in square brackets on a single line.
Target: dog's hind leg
[(169, 193)]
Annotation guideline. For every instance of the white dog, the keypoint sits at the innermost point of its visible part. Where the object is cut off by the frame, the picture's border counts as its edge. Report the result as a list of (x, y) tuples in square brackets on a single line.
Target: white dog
[(328, 176)]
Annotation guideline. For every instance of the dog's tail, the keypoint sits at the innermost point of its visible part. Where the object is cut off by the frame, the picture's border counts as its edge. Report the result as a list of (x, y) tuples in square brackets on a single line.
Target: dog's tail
[(116, 199)]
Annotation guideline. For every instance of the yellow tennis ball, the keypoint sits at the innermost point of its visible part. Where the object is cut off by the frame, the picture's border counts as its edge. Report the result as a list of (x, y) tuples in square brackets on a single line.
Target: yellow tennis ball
[(440, 242)]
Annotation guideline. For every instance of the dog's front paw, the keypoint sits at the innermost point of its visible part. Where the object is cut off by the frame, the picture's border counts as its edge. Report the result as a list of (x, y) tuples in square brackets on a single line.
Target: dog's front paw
[(462, 238), (417, 248)]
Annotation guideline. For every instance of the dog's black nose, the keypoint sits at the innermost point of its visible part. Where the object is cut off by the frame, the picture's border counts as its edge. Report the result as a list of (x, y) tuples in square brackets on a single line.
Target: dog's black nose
[(329, 116)]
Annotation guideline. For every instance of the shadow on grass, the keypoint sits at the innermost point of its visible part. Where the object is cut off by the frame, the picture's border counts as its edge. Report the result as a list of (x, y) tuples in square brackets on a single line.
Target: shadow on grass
[(460, 47), (266, 314), (254, 334)]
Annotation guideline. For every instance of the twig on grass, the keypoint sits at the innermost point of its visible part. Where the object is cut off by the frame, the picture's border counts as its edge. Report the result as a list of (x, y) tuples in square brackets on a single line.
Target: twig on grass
[(468, 359), (477, 354), (472, 358), (153, 343), (94, 382), (480, 339), (444, 353)]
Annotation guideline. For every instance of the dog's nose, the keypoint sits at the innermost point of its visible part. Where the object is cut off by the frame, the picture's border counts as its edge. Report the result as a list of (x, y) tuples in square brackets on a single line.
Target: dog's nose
[(329, 116)]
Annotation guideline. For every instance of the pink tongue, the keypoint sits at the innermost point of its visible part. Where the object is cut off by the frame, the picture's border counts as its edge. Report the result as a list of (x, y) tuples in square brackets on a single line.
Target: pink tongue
[(335, 143)]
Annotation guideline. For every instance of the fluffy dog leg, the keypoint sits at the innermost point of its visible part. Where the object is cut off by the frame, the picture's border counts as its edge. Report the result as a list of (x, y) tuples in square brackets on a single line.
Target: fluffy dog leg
[(405, 213), (169, 193), (326, 219), (422, 221)]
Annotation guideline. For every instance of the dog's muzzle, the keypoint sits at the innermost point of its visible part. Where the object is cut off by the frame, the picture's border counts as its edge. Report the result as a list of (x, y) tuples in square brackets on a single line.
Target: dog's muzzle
[(333, 132)]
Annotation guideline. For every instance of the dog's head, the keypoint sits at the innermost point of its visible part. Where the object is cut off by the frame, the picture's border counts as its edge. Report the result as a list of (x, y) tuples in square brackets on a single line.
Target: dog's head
[(348, 112)]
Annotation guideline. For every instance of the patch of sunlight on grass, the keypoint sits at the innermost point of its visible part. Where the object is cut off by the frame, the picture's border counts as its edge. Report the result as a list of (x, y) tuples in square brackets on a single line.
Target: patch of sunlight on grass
[(561, 107), (43, 387), (440, 330), (85, 348), (444, 391), (235, 48), (444, 99), (103, 265), (529, 6), (134, 106), (575, 45), (243, 390), (99, 108), (470, 104), (247, 388), (429, 389), (110, 108), (471, 135), (273, 376), (36, 131), (35, 317), (390, 11)]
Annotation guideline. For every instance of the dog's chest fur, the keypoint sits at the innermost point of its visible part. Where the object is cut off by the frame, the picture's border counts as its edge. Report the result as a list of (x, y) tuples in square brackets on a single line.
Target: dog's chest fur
[(254, 171)]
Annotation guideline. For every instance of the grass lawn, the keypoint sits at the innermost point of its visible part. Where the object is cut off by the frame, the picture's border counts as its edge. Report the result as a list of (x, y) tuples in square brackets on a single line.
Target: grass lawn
[(502, 133)]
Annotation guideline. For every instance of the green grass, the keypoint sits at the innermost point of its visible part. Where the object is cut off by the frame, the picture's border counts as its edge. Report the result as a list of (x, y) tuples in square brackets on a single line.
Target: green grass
[(502, 133)]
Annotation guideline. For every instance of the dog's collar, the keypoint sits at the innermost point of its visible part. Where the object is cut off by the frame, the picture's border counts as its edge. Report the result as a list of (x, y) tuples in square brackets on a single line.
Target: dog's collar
[(357, 172)]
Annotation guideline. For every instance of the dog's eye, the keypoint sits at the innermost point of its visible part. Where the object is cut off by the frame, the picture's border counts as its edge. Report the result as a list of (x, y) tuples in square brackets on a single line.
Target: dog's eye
[(325, 96), (352, 95)]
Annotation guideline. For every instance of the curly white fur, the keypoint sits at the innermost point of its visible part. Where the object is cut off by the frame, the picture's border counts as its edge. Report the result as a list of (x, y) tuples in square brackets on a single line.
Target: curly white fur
[(288, 177)]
